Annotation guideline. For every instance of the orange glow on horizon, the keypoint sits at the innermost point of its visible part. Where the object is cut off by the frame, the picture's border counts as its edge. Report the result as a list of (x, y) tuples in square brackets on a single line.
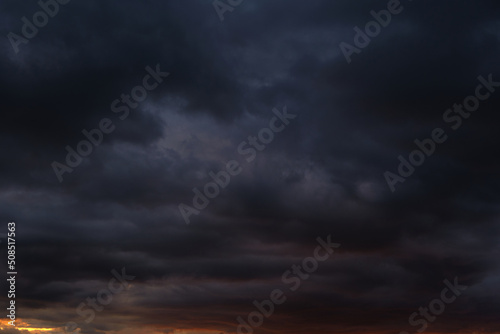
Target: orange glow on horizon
[(23, 326)]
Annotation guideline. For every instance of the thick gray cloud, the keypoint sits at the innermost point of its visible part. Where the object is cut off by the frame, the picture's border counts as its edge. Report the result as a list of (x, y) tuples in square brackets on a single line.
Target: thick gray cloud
[(322, 175)]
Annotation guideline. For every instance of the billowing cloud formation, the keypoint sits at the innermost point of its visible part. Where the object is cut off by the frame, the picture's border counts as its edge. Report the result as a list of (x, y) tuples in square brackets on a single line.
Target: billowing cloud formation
[(322, 175)]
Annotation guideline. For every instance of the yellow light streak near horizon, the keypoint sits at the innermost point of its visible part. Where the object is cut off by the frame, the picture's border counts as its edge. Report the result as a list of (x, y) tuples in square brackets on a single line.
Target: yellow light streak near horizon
[(20, 326), (30, 329), (35, 329)]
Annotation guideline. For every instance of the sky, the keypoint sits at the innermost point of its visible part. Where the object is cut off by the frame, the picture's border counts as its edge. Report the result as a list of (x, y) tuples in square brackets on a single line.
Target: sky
[(169, 165)]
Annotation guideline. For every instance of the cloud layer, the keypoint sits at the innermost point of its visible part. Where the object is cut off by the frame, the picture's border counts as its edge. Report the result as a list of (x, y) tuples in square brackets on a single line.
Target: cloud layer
[(324, 174)]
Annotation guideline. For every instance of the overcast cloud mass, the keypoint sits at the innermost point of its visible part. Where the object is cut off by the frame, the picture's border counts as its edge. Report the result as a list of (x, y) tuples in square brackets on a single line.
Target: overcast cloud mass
[(323, 174)]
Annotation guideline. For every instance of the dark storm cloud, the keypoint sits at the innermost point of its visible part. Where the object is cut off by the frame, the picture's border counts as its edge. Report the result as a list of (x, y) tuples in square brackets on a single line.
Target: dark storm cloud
[(322, 175)]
